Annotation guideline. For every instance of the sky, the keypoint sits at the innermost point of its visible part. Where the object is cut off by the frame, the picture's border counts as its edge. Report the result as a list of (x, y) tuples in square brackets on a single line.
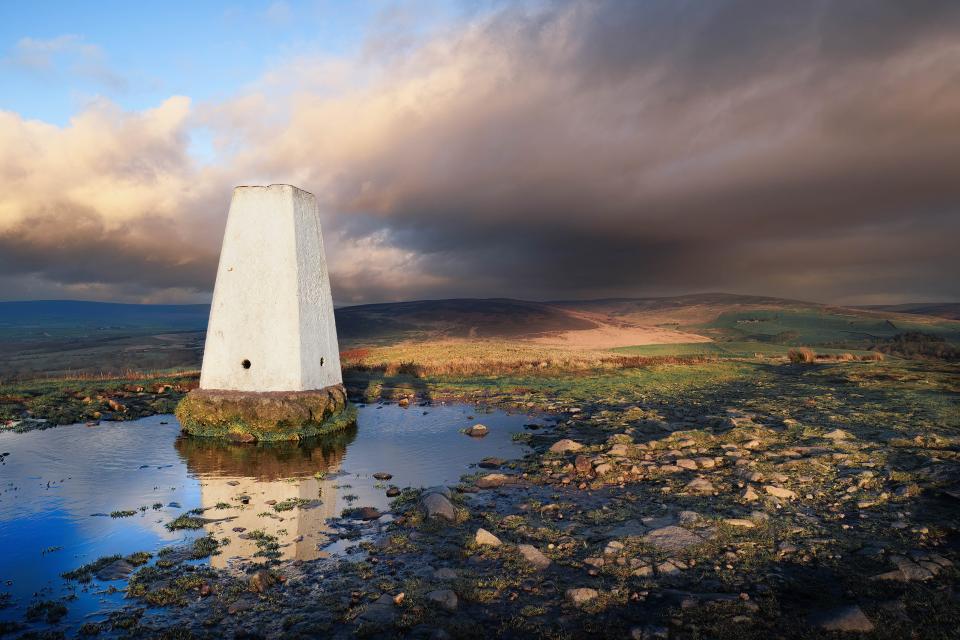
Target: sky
[(536, 150)]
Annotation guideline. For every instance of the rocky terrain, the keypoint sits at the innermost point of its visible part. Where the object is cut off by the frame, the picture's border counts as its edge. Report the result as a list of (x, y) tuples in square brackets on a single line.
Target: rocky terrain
[(735, 499)]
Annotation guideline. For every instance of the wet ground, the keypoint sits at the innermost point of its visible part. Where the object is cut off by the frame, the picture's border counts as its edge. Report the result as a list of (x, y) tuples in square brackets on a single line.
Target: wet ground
[(77, 493)]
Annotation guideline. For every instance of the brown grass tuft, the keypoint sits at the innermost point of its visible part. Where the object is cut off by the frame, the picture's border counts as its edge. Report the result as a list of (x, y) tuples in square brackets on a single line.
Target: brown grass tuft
[(803, 355)]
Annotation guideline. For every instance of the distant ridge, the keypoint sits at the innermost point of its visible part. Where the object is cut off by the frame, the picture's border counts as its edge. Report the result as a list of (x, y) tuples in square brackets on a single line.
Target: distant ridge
[(948, 310)]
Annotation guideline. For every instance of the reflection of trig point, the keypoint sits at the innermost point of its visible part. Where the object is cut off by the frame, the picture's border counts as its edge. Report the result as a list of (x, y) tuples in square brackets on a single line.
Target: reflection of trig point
[(297, 475), (271, 364)]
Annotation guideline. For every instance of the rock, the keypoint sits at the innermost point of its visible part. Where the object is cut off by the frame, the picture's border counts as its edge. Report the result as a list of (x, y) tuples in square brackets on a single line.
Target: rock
[(849, 618), (620, 450), (491, 463), (442, 490), (484, 537), (581, 596), (446, 598), (614, 547), (393, 492), (603, 469), (749, 495), (583, 464), (116, 570), (779, 492), (260, 581), (404, 402), (445, 573), (382, 476), (700, 486), (365, 513), (838, 434), (740, 522), (685, 463), (534, 556), (438, 505), (477, 431), (492, 480), (565, 445), (382, 612), (671, 538)]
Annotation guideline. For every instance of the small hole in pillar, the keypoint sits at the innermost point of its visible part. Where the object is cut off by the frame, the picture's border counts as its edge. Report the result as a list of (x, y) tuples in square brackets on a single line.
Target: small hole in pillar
[(321, 361), (245, 364)]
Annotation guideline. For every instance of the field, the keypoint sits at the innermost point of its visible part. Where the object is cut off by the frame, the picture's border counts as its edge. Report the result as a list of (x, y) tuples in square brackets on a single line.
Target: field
[(698, 489)]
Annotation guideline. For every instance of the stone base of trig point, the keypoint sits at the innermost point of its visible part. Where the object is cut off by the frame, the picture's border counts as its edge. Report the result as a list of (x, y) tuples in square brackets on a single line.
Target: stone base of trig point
[(269, 416)]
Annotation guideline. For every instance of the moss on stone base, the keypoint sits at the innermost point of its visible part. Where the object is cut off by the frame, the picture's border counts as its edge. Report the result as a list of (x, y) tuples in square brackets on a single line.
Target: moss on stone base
[(272, 416)]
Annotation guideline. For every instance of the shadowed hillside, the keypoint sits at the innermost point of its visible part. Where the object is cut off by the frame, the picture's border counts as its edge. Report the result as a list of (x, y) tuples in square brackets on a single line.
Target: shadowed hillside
[(63, 337)]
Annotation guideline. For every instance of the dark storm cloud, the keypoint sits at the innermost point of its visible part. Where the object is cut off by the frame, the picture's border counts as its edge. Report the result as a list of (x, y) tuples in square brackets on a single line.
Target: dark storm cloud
[(801, 149)]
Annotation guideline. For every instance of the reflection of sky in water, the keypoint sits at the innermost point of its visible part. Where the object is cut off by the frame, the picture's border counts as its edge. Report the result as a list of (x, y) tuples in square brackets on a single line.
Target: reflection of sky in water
[(54, 480)]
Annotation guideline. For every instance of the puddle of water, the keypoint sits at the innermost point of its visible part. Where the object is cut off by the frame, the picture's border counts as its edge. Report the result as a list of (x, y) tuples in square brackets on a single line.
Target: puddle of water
[(54, 482)]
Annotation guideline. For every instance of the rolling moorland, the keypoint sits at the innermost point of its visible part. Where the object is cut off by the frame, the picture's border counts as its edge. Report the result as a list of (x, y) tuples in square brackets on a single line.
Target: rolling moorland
[(697, 472)]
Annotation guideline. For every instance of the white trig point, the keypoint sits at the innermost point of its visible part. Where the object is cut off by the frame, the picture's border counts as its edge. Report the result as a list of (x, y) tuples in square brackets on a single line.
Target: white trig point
[(271, 322), (271, 364)]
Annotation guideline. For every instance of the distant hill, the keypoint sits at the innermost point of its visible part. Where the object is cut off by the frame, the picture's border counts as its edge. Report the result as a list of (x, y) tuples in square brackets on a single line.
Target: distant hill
[(949, 310), (61, 336)]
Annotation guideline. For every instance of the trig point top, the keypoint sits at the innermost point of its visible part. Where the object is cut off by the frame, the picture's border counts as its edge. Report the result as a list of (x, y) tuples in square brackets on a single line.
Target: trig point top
[(271, 351)]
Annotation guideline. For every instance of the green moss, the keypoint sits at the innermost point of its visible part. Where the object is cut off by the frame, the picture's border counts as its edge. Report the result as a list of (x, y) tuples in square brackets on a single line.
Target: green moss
[(265, 417)]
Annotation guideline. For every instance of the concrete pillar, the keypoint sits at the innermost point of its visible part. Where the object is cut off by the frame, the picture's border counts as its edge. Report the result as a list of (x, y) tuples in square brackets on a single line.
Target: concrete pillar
[(271, 364), (271, 322)]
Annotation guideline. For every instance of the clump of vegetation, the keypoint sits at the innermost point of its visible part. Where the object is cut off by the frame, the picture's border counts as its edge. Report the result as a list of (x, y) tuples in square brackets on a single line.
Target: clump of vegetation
[(916, 344), (205, 547), (124, 513), (186, 521), (801, 355), (46, 610), (85, 572), (290, 504)]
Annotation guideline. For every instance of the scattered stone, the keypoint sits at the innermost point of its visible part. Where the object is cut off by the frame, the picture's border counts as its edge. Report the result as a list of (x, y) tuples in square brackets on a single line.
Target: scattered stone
[(700, 486), (382, 476), (393, 491), (686, 463), (534, 556), (749, 495), (438, 505), (404, 402), (491, 463), (672, 538), (116, 570), (565, 445), (740, 522), (779, 492), (581, 596), (365, 513), (849, 618), (382, 612), (446, 598), (445, 573), (583, 464), (838, 434), (603, 469), (492, 480), (484, 537), (477, 431)]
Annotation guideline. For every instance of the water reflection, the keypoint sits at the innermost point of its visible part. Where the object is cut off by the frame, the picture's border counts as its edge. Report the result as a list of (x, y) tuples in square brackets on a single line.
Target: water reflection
[(287, 490)]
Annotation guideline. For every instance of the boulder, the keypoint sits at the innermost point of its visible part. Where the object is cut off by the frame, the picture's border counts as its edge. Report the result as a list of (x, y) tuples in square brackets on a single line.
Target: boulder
[(565, 445), (477, 431), (438, 505), (446, 598), (484, 537), (534, 556)]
